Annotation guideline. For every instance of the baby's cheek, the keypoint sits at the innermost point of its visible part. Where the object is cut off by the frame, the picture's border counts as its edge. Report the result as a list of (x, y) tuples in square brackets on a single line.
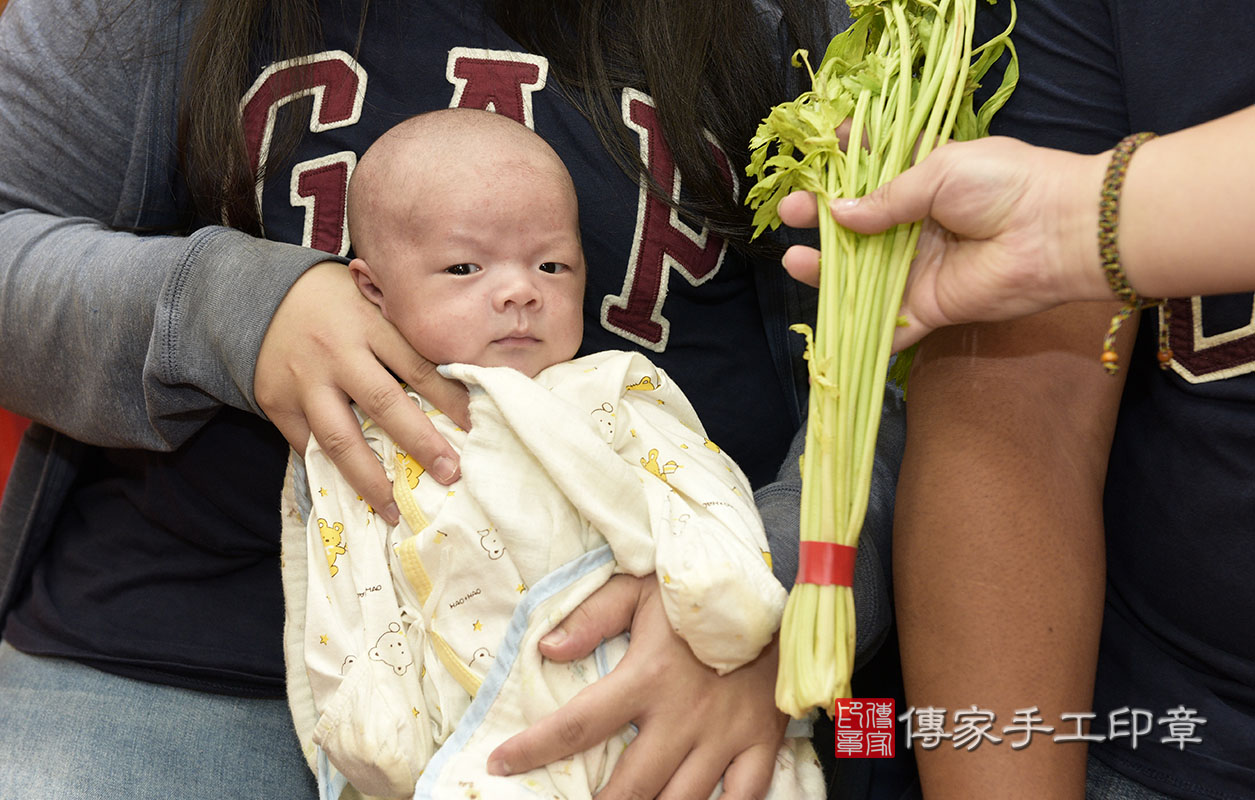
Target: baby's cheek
[(443, 337)]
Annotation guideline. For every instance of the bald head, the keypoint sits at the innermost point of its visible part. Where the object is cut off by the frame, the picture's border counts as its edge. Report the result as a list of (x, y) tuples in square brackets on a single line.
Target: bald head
[(413, 160)]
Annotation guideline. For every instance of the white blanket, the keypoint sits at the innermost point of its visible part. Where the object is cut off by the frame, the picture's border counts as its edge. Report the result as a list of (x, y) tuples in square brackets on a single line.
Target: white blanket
[(412, 649)]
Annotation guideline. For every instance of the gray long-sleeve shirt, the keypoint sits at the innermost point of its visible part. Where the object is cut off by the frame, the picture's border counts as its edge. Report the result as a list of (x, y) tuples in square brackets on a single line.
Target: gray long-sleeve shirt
[(117, 339)]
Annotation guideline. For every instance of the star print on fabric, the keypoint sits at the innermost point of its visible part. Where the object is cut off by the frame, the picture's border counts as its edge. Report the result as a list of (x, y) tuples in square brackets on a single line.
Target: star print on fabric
[(322, 491), (322, 639), (520, 588), (477, 625)]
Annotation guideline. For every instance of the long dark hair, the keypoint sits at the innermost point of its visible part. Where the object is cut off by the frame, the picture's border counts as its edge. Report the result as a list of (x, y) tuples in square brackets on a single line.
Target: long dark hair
[(708, 64)]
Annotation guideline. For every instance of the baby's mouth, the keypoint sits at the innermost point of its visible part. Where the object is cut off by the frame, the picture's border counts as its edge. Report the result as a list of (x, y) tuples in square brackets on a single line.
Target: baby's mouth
[(517, 339)]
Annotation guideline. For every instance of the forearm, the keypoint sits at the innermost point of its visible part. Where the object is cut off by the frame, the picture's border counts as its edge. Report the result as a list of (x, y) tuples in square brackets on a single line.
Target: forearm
[(114, 338), (998, 543), (1184, 215), (133, 341)]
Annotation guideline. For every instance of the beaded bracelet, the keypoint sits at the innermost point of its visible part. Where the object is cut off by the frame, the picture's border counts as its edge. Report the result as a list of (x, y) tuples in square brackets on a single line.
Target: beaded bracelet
[(1109, 252)]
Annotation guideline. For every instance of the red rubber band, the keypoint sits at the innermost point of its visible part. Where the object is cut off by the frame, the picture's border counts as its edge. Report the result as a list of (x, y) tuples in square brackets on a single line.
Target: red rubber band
[(825, 563)]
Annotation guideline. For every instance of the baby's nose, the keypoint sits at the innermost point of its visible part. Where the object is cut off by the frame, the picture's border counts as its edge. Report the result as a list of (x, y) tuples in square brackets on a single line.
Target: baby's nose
[(519, 289)]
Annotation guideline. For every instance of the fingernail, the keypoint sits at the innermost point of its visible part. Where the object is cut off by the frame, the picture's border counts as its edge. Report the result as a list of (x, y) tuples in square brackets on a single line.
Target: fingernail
[(391, 514), (498, 766), (844, 204), (554, 638), (445, 469)]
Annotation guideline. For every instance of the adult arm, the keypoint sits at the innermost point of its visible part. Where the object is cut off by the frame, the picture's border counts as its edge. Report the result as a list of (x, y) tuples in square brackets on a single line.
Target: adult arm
[(998, 541), (1187, 199), (998, 538), (129, 340), (115, 338)]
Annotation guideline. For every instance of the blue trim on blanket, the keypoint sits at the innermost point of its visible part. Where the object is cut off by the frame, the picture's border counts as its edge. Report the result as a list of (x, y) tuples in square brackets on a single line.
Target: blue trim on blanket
[(330, 782), (600, 657), (477, 711)]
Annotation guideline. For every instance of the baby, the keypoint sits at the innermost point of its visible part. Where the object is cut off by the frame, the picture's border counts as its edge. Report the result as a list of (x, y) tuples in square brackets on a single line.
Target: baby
[(412, 649)]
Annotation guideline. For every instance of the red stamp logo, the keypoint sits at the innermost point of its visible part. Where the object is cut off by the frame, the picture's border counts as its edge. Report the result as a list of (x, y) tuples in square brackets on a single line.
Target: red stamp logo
[(864, 727)]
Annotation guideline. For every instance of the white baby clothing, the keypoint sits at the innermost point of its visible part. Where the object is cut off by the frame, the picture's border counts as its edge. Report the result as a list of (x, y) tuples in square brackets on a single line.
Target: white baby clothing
[(412, 649)]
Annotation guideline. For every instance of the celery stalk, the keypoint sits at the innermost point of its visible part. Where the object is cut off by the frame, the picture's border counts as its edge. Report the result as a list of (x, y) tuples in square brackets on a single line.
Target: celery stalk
[(903, 76)]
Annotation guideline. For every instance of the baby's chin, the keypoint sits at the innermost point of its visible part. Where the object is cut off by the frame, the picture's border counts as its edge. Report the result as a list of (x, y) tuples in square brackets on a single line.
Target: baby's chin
[(529, 359)]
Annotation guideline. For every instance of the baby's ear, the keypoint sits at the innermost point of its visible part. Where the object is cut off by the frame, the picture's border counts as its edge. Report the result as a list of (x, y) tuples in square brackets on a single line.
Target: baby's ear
[(365, 281)]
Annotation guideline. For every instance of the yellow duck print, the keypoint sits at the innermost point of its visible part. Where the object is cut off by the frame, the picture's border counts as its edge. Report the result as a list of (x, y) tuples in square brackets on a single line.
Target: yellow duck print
[(645, 384), (661, 471), (332, 538)]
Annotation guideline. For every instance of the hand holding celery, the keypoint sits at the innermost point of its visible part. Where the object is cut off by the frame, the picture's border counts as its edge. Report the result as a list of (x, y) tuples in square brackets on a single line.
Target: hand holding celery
[(903, 76)]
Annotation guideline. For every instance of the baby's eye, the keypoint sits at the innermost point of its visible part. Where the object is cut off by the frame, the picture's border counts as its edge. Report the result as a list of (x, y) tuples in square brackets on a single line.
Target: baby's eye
[(553, 267), (462, 269)]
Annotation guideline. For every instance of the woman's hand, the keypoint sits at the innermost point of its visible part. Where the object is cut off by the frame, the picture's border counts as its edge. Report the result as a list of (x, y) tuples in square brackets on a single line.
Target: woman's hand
[(326, 346), (695, 727), (1011, 229)]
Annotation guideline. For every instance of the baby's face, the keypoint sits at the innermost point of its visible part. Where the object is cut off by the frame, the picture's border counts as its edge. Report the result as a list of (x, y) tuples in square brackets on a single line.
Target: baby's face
[(489, 272)]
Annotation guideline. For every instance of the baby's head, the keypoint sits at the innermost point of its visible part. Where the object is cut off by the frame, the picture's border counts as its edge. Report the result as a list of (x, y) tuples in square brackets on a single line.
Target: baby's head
[(466, 231)]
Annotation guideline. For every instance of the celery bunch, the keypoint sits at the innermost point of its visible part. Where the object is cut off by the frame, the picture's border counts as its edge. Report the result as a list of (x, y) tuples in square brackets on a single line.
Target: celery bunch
[(904, 76)]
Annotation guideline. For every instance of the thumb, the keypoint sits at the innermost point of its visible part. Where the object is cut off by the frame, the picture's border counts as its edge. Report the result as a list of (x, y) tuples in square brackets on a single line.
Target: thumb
[(907, 198), (908, 334), (605, 613)]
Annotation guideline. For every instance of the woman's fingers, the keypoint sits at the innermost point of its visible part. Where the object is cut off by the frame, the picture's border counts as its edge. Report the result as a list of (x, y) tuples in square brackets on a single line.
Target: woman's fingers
[(327, 346), (748, 777), (698, 775), (605, 613), (692, 724), (588, 719), (597, 711), (338, 433), (394, 352), (802, 263), (646, 766), (383, 400), (799, 210)]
